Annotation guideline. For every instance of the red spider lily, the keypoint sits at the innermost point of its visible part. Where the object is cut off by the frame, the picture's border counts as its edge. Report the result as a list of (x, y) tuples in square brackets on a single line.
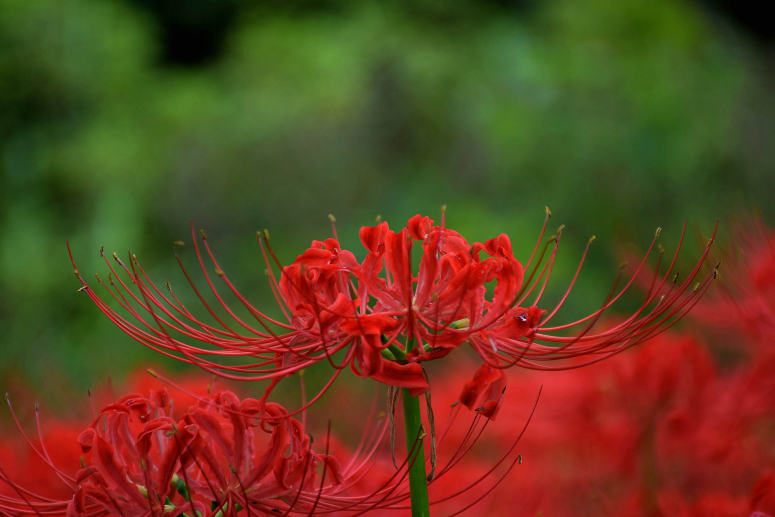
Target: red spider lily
[(222, 456), (386, 318)]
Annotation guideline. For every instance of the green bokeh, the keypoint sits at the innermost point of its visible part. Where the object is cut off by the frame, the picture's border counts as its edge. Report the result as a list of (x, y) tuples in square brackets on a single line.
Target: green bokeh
[(620, 116)]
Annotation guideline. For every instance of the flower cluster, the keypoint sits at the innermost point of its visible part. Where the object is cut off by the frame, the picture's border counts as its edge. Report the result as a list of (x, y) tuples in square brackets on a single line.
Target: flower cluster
[(221, 453), (212, 455), (383, 317)]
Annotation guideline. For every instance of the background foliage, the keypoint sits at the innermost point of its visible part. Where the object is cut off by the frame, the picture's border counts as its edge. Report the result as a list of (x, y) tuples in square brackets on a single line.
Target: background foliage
[(121, 122)]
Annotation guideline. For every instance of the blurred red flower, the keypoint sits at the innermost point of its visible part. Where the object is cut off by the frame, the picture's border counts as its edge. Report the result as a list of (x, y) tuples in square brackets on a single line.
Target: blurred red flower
[(183, 453)]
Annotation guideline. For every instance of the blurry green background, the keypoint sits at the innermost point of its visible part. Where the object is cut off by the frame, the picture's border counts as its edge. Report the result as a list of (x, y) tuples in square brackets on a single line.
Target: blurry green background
[(121, 122)]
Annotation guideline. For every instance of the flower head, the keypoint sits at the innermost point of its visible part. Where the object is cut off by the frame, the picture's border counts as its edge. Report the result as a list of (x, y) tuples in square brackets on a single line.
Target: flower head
[(222, 455), (383, 316)]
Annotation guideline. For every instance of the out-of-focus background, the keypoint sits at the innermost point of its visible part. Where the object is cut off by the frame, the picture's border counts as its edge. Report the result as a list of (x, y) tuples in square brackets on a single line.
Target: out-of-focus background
[(121, 122)]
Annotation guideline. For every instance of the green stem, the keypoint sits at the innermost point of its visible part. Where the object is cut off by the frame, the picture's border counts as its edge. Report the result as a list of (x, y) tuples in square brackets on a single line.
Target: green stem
[(418, 483)]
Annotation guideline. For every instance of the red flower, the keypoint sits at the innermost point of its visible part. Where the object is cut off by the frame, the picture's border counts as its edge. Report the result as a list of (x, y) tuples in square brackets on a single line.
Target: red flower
[(224, 456), (387, 316)]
